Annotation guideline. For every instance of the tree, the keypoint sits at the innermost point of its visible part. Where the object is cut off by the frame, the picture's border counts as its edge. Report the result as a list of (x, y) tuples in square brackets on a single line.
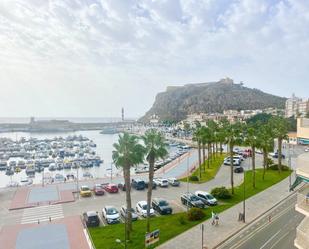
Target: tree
[(155, 148), (266, 143), (128, 152), (251, 139), (186, 127), (206, 139), (197, 136), (280, 130), (221, 136), (233, 137), (261, 118)]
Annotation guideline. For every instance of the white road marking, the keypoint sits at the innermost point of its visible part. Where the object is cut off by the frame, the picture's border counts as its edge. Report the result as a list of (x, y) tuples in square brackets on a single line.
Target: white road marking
[(43, 213), (270, 239), (278, 240)]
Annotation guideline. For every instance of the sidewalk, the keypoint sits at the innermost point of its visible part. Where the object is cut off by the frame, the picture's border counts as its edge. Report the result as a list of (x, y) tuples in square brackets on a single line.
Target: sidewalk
[(229, 224)]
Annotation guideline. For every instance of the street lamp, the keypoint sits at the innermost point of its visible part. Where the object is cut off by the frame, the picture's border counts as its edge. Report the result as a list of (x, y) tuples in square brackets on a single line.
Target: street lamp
[(188, 178)]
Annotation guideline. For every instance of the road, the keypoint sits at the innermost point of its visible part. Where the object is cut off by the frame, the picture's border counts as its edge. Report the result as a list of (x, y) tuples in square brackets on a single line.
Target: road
[(279, 233)]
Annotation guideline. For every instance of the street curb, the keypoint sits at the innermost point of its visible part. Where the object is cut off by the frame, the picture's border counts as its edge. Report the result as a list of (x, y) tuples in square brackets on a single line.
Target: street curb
[(255, 219)]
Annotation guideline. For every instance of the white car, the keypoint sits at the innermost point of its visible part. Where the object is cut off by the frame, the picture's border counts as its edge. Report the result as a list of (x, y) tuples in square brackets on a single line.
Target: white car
[(162, 182), (111, 214), (307, 150), (236, 161), (141, 209), (206, 198), (173, 181), (25, 182)]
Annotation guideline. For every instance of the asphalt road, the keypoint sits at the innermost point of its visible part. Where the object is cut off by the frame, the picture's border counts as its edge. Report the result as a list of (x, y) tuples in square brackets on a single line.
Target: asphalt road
[(279, 233)]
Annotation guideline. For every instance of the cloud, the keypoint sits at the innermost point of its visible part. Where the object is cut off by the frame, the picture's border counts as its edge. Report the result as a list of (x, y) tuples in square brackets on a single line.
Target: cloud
[(94, 53)]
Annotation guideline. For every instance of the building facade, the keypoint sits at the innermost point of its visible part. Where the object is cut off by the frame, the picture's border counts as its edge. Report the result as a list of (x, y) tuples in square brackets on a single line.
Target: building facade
[(303, 131), (302, 206), (296, 107)]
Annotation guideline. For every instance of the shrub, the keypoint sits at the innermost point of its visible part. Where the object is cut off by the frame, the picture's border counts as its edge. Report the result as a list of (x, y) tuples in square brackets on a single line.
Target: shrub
[(182, 219), (269, 161), (275, 167), (221, 193), (195, 214), (194, 178)]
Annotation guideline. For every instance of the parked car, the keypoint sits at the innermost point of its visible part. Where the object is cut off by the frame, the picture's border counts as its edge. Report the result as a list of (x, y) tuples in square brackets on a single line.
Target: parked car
[(124, 213), (236, 162), (191, 200), (111, 188), (91, 219), (154, 185), (162, 182), (138, 184), (207, 198), (173, 181), (98, 190), (122, 186), (141, 208), (111, 214), (276, 155), (239, 169), (85, 191), (306, 149), (161, 206)]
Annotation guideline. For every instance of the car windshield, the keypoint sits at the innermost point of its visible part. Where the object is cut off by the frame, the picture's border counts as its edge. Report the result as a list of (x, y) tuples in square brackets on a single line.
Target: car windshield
[(111, 211), (85, 189), (209, 197), (193, 198), (93, 217), (163, 203), (144, 206)]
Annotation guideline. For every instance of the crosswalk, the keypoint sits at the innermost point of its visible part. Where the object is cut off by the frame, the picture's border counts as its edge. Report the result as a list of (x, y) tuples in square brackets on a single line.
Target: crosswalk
[(42, 213)]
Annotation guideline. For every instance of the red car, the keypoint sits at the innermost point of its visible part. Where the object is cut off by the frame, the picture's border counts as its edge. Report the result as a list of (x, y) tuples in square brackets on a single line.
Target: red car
[(98, 190), (111, 188)]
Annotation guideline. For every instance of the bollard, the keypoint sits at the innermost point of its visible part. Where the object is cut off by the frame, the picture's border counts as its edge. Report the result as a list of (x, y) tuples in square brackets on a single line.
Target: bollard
[(49, 219), (269, 218), (38, 221)]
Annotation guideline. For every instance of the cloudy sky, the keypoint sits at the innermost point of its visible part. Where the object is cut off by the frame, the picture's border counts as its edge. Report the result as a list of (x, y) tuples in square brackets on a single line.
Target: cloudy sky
[(91, 57)]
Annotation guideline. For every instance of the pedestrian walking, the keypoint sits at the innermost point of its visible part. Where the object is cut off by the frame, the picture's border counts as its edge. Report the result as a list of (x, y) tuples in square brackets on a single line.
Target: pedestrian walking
[(217, 220), (213, 218)]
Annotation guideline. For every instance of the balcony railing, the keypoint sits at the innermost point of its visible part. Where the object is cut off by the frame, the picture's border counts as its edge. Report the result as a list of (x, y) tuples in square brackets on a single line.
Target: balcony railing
[(302, 234), (303, 201)]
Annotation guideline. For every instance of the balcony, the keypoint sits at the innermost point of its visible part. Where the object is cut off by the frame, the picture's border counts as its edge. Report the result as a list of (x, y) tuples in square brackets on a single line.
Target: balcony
[(302, 235), (302, 204)]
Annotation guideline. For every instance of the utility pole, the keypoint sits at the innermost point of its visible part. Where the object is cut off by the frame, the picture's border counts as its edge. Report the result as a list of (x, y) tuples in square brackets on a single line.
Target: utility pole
[(289, 163), (188, 172)]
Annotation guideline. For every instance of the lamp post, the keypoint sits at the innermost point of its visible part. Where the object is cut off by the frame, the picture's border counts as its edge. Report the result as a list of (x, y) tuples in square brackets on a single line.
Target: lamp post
[(111, 172), (188, 172), (289, 164)]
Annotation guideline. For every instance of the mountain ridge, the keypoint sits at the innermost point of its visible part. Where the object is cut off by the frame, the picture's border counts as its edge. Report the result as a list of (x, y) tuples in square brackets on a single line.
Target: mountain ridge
[(209, 97)]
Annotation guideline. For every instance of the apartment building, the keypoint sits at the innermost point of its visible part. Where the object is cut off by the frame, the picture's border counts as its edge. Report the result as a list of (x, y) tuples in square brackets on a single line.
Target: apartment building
[(296, 107), (303, 131), (302, 176)]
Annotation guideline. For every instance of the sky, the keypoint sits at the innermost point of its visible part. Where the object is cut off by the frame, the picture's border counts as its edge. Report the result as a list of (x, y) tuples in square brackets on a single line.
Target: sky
[(90, 58)]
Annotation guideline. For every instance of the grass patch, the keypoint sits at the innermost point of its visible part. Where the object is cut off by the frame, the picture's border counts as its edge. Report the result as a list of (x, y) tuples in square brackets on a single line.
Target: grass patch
[(207, 173), (172, 225)]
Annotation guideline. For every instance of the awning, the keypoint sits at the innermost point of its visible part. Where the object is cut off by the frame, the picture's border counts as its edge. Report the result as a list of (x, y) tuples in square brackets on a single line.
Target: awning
[(298, 180)]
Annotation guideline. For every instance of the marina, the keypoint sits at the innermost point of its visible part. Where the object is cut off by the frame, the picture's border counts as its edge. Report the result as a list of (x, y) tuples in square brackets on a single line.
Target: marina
[(33, 158)]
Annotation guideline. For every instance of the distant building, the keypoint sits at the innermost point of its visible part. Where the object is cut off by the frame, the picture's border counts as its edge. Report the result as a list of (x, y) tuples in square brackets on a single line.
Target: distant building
[(50, 125), (303, 131), (296, 107), (154, 119)]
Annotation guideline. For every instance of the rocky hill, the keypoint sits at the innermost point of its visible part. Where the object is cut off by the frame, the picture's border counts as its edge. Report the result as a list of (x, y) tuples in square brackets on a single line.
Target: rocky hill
[(176, 102)]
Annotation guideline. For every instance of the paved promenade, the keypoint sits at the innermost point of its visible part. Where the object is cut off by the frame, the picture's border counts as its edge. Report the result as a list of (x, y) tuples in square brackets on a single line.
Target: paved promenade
[(229, 224)]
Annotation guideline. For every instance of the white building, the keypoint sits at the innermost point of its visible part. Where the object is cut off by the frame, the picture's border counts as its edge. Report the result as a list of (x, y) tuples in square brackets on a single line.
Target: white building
[(296, 107), (302, 175)]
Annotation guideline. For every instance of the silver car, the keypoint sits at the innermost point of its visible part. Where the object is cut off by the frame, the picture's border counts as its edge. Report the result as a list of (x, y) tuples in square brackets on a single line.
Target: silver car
[(124, 213)]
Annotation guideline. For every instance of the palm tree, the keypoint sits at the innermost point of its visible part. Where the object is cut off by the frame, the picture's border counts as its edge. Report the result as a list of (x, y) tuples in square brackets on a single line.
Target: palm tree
[(221, 135), (155, 148), (128, 152), (206, 139), (233, 137), (252, 140), (280, 130), (266, 142), (197, 136)]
